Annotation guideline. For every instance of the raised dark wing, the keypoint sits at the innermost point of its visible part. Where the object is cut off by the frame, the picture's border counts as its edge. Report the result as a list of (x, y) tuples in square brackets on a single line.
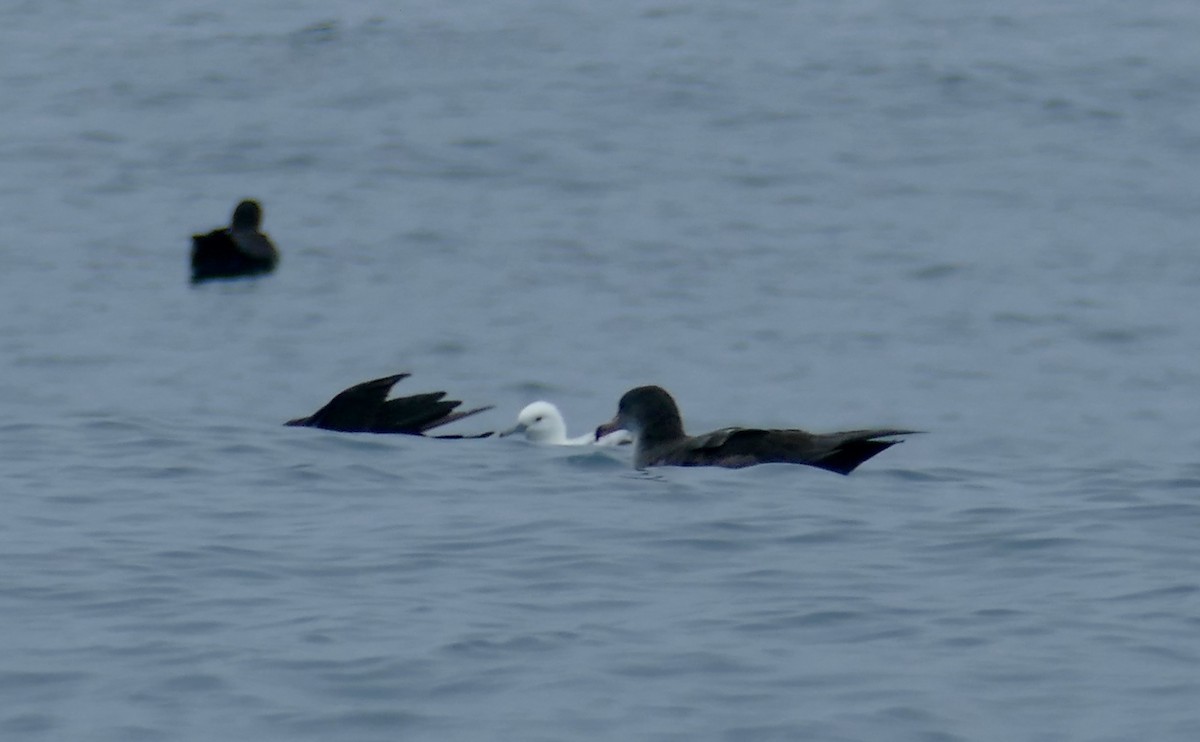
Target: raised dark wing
[(353, 410), (365, 408), (739, 447)]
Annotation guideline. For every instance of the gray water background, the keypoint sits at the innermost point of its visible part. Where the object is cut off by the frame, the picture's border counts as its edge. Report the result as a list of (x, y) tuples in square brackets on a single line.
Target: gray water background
[(975, 220)]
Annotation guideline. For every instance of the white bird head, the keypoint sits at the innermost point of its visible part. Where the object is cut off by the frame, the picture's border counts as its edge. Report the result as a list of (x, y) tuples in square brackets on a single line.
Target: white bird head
[(541, 422)]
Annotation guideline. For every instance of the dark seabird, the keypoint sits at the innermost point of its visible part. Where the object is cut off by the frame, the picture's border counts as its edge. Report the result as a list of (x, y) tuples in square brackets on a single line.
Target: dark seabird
[(365, 408), (650, 414), (234, 251)]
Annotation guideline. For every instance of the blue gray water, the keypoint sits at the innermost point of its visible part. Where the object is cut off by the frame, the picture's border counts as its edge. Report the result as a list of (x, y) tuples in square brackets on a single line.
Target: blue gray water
[(975, 221)]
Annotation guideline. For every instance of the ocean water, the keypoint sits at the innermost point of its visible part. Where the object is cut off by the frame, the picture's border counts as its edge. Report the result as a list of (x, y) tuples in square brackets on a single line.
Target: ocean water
[(979, 222)]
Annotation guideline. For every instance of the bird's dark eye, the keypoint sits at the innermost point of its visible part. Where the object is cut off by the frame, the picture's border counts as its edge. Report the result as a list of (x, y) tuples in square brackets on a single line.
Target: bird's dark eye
[(537, 419)]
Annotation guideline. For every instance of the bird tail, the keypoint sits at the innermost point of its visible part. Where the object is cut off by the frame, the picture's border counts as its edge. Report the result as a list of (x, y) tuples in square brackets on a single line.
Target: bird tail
[(855, 447)]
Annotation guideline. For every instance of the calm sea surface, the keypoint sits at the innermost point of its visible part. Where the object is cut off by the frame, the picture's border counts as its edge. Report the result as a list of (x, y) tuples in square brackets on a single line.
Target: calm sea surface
[(976, 221)]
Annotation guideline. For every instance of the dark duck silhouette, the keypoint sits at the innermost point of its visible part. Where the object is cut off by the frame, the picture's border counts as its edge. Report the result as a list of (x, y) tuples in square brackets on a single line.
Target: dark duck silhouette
[(365, 408), (234, 251), (651, 415)]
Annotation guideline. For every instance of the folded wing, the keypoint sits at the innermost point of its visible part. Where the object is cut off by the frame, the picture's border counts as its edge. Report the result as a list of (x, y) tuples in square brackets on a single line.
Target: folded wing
[(738, 447), (222, 253)]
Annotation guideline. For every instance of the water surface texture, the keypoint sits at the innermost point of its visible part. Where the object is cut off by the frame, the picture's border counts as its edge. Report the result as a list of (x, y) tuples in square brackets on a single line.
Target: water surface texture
[(976, 221)]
